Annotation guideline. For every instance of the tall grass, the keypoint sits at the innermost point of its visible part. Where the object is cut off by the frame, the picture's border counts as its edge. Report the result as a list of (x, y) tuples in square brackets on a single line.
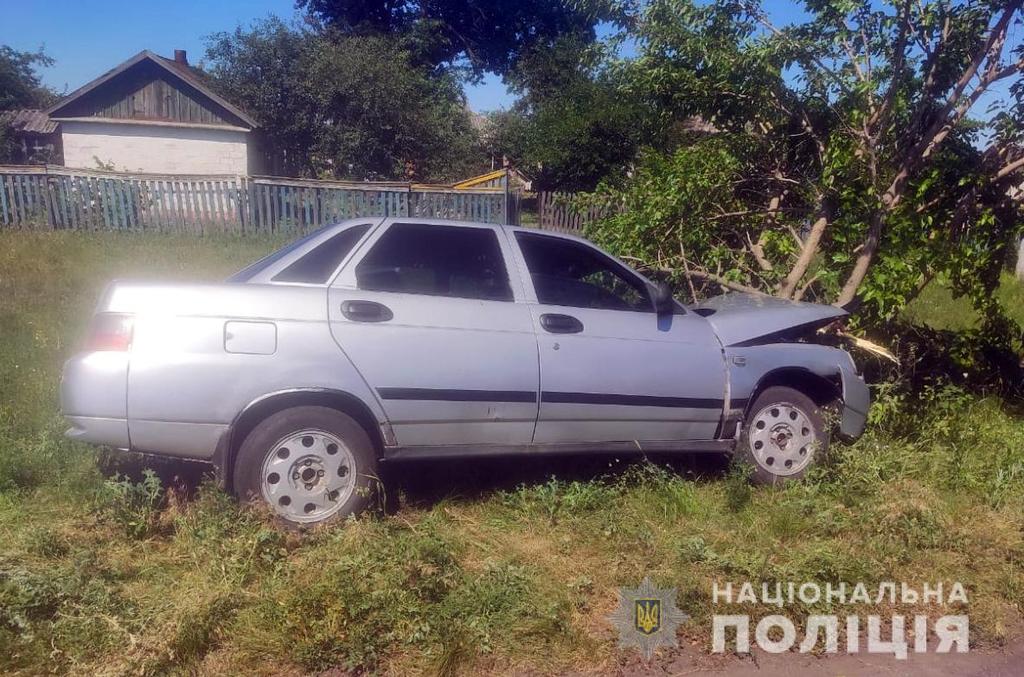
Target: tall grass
[(935, 306), (487, 566)]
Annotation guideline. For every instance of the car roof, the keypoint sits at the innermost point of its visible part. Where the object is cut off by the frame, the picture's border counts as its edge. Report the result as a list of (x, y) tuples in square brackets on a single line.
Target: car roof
[(320, 235), (461, 222)]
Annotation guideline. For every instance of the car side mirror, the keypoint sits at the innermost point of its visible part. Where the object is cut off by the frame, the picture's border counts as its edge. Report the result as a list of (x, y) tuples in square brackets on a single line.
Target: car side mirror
[(664, 304)]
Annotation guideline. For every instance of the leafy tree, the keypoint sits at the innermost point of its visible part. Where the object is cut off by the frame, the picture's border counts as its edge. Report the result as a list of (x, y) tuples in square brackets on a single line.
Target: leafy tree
[(20, 85), (573, 140), (381, 117), (545, 71), (853, 171), (571, 126), (265, 69), (484, 35), (345, 106)]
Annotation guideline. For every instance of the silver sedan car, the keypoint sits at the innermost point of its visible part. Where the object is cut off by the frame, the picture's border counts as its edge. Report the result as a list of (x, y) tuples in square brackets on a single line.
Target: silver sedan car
[(379, 339)]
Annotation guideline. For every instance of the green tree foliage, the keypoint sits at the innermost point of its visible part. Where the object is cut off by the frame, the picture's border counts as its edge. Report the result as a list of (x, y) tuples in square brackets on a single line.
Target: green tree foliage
[(382, 117), (20, 85), (478, 35), (834, 159), (685, 188), (264, 69), (571, 126), (573, 140), (345, 106)]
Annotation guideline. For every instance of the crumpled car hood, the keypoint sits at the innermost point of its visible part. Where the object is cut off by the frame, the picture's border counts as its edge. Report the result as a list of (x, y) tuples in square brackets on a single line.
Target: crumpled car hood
[(750, 319)]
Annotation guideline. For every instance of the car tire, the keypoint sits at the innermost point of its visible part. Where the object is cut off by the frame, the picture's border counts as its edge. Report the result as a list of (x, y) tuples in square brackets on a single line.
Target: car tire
[(783, 436), (309, 465)]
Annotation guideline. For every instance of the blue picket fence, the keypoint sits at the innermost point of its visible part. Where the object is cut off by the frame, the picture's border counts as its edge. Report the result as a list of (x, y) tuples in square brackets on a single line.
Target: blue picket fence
[(60, 198)]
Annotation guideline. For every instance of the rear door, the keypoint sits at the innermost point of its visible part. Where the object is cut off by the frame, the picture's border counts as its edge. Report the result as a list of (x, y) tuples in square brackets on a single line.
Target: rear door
[(428, 314), (611, 368)]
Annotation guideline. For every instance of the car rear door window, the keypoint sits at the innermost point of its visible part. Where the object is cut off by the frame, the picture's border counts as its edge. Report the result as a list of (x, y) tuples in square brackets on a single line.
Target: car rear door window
[(317, 266), (436, 260), (567, 273)]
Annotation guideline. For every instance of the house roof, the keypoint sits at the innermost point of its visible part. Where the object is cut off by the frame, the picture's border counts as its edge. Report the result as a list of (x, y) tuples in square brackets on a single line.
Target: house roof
[(29, 121), (474, 181), (180, 71)]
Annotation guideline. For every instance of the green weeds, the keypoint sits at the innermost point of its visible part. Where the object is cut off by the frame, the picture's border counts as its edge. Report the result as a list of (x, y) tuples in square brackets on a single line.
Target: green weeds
[(133, 506)]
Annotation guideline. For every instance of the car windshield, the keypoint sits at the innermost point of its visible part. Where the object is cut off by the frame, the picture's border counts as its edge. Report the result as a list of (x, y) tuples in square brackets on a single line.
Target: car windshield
[(252, 270)]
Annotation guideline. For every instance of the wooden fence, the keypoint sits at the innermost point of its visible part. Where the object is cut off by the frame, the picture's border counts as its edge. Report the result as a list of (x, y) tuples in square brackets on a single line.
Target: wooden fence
[(62, 198), (555, 212)]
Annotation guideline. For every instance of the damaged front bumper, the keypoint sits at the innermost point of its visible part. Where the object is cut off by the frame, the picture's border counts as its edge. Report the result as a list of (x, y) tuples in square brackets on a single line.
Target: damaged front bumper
[(856, 401)]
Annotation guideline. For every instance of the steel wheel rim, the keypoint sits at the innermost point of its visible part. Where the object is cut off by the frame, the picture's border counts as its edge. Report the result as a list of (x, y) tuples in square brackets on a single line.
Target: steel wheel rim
[(308, 475), (782, 438)]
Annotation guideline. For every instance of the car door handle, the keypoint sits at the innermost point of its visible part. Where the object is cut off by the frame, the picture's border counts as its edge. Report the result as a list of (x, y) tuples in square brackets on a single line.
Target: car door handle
[(366, 311), (560, 324)]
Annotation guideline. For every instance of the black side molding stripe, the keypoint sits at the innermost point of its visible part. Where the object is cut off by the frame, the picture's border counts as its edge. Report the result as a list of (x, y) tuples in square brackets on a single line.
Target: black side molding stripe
[(453, 395), (632, 400), (456, 395)]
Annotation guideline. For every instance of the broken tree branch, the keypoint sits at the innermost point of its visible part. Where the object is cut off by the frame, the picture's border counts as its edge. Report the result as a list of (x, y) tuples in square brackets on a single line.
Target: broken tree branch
[(1010, 168), (722, 282), (686, 271), (802, 291), (757, 250)]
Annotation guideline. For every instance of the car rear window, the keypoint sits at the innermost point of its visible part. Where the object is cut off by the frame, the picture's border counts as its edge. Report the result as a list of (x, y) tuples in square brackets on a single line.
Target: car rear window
[(254, 269), (317, 266), (455, 261)]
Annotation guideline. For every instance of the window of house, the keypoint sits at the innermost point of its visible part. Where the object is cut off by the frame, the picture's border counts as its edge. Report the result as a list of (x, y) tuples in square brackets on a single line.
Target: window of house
[(567, 273), (317, 266), (436, 260)]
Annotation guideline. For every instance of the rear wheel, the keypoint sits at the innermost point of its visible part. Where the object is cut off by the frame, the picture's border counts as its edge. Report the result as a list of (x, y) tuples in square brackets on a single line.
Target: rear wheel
[(309, 465), (784, 435)]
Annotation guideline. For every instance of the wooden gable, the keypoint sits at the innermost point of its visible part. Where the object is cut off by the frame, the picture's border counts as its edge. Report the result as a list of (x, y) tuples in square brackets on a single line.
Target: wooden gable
[(150, 88)]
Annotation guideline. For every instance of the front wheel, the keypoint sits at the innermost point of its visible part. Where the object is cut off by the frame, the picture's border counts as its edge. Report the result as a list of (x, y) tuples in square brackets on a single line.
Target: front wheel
[(309, 465), (784, 434)]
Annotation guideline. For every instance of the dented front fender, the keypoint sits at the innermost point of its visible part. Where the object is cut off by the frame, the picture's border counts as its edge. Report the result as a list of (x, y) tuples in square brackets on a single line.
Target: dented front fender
[(751, 366)]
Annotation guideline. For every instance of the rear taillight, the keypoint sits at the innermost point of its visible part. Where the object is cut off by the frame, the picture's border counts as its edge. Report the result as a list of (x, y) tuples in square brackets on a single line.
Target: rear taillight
[(110, 331)]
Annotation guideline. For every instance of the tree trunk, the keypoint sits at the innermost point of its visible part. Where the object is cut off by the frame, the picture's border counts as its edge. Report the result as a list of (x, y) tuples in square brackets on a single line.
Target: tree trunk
[(1020, 260), (810, 248), (864, 259)]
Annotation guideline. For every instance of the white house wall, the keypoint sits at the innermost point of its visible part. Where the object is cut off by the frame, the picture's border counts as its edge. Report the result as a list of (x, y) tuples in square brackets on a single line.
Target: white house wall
[(155, 148)]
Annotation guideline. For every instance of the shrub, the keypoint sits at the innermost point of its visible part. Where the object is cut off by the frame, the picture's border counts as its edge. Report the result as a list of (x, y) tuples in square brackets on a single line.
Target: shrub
[(133, 506)]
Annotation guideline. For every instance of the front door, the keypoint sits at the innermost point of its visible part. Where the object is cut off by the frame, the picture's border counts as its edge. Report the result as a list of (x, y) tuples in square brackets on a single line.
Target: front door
[(427, 314), (612, 370)]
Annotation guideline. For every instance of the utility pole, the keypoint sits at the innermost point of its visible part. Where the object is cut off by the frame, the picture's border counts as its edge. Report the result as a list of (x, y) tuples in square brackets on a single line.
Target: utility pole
[(508, 206)]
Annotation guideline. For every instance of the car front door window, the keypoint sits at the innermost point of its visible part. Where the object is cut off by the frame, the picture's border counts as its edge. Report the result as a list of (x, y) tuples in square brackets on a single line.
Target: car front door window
[(567, 273)]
